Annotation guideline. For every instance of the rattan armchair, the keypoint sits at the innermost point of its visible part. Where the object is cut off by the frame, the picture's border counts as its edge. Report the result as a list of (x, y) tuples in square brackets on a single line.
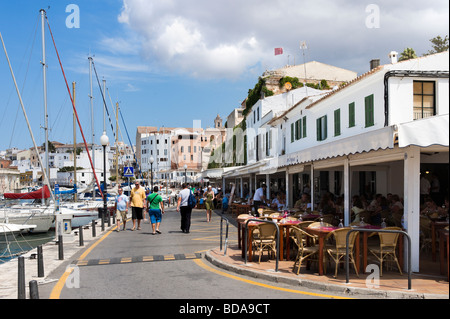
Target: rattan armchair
[(266, 239), (304, 252), (338, 251), (388, 243)]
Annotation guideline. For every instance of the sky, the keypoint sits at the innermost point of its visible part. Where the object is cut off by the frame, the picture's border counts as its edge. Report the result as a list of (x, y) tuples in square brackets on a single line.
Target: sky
[(168, 63)]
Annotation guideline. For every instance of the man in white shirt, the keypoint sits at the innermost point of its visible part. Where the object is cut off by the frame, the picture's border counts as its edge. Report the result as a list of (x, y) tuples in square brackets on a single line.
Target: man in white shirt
[(259, 198), (184, 209)]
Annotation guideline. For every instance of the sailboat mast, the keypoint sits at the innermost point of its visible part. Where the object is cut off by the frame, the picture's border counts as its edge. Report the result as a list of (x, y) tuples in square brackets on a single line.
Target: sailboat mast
[(44, 72), (74, 145), (92, 119), (117, 143), (46, 180)]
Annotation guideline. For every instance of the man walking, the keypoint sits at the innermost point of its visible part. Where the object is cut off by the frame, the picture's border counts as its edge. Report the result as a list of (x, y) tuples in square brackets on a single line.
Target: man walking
[(137, 197), (184, 208), (121, 209)]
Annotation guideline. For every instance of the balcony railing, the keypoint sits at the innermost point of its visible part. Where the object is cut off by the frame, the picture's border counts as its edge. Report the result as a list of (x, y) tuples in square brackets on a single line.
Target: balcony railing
[(421, 114)]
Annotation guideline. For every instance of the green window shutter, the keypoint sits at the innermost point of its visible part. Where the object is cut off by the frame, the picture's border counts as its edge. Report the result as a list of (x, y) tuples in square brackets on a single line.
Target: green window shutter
[(368, 101), (304, 126), (325, 135), (337, 122), (318, 129), (292, 132), (351, 114)]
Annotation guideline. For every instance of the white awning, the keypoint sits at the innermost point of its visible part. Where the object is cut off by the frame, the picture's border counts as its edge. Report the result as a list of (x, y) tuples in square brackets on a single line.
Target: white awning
[(217, 172), (371, 141), (425, 132)]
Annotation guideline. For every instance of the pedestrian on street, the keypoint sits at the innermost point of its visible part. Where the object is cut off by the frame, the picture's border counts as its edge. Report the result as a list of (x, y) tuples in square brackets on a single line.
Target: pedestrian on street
[(184, 209), (209, 203), (137, 197), (121, 209), (155, 208)]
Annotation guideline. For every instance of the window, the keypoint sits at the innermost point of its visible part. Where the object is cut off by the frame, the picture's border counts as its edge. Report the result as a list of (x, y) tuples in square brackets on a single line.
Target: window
[(182, 149), (322, 128), (337, 122), (298, 129), (424, 99), (351, 114), (254, 117), (368, 102)]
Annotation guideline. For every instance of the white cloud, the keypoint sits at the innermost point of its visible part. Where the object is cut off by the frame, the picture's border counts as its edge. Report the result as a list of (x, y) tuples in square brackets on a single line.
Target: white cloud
[(215, 39)]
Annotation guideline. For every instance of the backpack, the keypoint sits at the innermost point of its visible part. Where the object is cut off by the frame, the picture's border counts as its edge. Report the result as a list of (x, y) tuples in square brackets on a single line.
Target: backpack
[(192, 202)]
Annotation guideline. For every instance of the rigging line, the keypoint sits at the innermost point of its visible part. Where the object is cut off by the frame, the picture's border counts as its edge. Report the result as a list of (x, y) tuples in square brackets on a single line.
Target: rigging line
[(119, 131), (131, 144), (24, 82), (20, 68), (74, 108), (104, 101)]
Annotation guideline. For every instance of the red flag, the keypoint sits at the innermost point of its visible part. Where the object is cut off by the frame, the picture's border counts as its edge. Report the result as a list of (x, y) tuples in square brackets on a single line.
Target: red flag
[(278, 51)]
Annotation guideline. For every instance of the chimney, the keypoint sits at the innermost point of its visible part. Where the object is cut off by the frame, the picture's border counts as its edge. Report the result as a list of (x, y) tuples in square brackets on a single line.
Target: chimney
[(374, 63), (393, 56)]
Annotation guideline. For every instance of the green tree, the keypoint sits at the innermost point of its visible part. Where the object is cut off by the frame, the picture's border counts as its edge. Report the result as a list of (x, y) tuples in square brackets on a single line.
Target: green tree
[(51, 147), (438, 45), (407, 54)]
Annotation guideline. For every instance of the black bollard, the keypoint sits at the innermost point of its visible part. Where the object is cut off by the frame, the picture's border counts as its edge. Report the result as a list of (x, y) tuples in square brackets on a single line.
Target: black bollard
[(93, 228), (21, 279), (60, 247), (34, 291), (40, 262), (81, 235)]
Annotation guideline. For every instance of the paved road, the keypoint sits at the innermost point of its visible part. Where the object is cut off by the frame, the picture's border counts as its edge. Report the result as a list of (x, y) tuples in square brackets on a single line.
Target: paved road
[(139, 265)]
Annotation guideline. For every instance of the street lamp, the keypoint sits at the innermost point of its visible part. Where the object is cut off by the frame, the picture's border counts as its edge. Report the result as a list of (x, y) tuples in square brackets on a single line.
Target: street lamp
[(104, 140), (151, 171), (185, 174)]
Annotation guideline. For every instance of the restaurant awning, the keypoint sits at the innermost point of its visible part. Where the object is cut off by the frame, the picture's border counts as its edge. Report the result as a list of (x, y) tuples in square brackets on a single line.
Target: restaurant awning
[(216, 173), (425, 132), (371, 141)]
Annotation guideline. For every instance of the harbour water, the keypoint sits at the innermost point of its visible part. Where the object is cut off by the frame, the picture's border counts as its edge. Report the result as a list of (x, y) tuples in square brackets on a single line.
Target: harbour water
[(12, 247)]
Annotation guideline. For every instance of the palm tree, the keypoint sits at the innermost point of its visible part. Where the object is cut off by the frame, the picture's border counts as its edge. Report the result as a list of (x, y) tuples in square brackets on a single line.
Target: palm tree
[(407, 54)]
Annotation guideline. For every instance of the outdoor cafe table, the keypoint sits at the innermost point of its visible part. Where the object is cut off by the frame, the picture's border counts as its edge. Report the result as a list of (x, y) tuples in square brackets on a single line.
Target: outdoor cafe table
[(307, 217), (283, 227)]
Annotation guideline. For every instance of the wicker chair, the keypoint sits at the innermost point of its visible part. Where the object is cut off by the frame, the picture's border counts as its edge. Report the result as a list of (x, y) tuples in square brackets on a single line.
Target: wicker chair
[(304, 252), (266, 239), (425, 233), (338, 250), (388, 243)]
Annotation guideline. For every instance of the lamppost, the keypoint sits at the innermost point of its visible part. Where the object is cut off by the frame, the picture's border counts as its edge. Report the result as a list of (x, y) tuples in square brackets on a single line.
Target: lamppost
[(185, 173), (151, 172), (104, 140)]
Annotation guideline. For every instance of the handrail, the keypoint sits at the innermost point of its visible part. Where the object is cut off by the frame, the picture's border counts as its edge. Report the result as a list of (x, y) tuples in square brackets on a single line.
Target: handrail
[(347, 263), (277, 238), (226, 235)]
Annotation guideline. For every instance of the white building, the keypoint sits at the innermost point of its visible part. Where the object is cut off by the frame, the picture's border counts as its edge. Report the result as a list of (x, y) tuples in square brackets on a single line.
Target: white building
[(373, 134)]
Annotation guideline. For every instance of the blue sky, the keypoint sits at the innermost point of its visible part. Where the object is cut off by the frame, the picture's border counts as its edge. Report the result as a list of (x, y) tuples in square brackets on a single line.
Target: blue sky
[(174, 61)]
